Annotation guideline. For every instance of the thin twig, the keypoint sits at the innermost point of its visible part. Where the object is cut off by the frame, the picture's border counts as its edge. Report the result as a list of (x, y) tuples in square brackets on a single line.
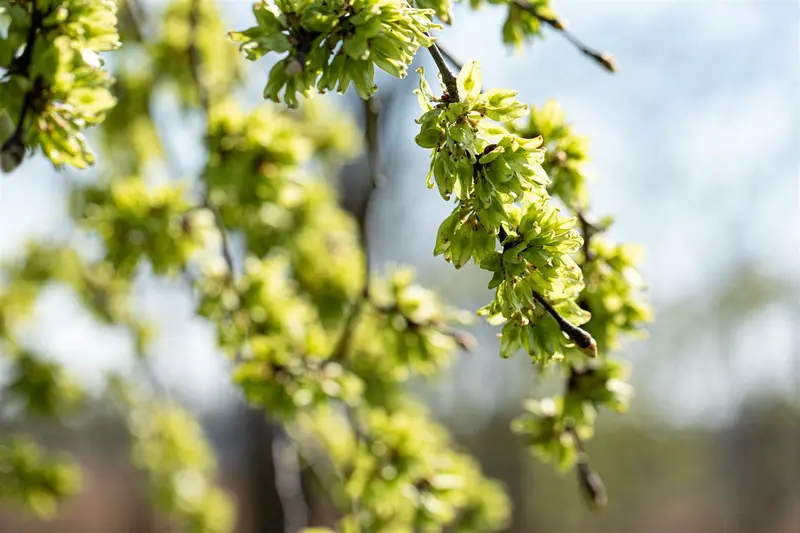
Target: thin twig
[(588, 230), (581, 338), (137, 18), (604, 59), (372, 137), (227, 255), (465, 340), (196, 63), (372, 113), (194, 55), (448, 78), (591, 484)]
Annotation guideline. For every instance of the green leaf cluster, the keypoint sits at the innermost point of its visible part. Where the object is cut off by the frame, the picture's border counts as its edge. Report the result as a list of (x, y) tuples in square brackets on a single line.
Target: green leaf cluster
[(331, 45), (317, 339), (136, 221), (613, 293), (42, 388), (566, 155), (260, 175), (54, 85), (36, 479), (402, 474), (553, 427), (404, 331), (500, 190), (221, 70)]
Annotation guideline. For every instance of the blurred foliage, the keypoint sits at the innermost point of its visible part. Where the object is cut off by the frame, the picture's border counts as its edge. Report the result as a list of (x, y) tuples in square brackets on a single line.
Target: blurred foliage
[(169, 445), (315, 337), (36, 479)]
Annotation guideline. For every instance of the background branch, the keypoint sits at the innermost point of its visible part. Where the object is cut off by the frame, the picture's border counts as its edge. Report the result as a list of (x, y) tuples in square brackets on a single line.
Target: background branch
[(604, 59)]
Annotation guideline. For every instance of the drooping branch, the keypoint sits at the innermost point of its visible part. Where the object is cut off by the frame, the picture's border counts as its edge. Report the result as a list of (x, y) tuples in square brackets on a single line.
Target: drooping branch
[(591, 485), (604, 59), (372, 112), (581, 338), (13, 149)]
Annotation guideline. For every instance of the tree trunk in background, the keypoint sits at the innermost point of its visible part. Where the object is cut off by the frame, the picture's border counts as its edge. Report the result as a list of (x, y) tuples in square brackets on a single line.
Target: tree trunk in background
[(261, 511)]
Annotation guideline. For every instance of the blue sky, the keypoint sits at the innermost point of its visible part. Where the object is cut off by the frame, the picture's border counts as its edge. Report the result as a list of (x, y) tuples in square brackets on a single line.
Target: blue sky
[(696, 145)]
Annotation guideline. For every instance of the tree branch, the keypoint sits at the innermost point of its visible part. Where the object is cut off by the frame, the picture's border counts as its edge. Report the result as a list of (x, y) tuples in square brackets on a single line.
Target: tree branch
[(372, 136), (591, 484), (588, 230), (448, 78), (581, 338), (604, 59)]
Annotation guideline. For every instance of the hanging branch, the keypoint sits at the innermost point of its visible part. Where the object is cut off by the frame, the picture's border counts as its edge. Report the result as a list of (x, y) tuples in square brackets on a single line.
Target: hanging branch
[(581, 338), (604, 59), (591, 485), (13, 150)]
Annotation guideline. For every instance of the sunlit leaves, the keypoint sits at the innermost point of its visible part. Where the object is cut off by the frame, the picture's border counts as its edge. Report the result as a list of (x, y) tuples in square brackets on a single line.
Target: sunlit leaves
[(333, 45), (314, 339), (566, 156), (404, 330), (500, 188), (442, 8), (256, 175), (553, 427)]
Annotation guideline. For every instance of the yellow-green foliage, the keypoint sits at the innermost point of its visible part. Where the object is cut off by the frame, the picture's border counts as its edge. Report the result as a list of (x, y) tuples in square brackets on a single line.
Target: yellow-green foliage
[(314, 339)]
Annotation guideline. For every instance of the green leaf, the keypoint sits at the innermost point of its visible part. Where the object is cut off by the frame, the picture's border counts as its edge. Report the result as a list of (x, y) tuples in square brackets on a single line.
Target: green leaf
[(469, 81)]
